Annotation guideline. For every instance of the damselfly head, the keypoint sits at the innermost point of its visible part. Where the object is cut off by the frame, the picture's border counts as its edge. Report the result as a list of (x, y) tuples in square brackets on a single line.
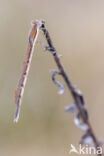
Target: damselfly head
[(37, 23), (34, 22)]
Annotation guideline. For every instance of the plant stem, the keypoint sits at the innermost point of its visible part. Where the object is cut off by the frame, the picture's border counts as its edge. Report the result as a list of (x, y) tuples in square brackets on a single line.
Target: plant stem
[(77, 96)]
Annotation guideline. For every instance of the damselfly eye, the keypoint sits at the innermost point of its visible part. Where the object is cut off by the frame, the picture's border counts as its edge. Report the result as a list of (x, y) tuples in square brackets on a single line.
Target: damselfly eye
[(34, 22)]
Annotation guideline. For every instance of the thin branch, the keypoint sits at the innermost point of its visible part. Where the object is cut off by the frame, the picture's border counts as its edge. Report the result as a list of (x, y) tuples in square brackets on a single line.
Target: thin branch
[(76, 94)]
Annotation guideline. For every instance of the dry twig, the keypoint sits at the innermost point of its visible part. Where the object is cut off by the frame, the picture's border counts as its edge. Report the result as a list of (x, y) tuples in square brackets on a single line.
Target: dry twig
[(82, 117)]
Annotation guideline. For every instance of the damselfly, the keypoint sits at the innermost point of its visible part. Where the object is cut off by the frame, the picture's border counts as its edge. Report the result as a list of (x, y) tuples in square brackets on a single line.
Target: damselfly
[(22, 81)]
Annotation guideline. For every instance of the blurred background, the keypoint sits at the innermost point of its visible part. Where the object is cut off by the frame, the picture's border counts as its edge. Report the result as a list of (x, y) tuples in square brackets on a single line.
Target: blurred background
[(77, 31)]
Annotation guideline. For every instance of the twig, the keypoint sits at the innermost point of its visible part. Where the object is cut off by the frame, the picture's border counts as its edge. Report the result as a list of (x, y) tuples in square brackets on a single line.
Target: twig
[(78, 98)]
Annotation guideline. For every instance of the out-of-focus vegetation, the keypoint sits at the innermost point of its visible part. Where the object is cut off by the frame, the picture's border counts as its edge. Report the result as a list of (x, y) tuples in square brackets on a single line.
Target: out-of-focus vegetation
[(77, 30)]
